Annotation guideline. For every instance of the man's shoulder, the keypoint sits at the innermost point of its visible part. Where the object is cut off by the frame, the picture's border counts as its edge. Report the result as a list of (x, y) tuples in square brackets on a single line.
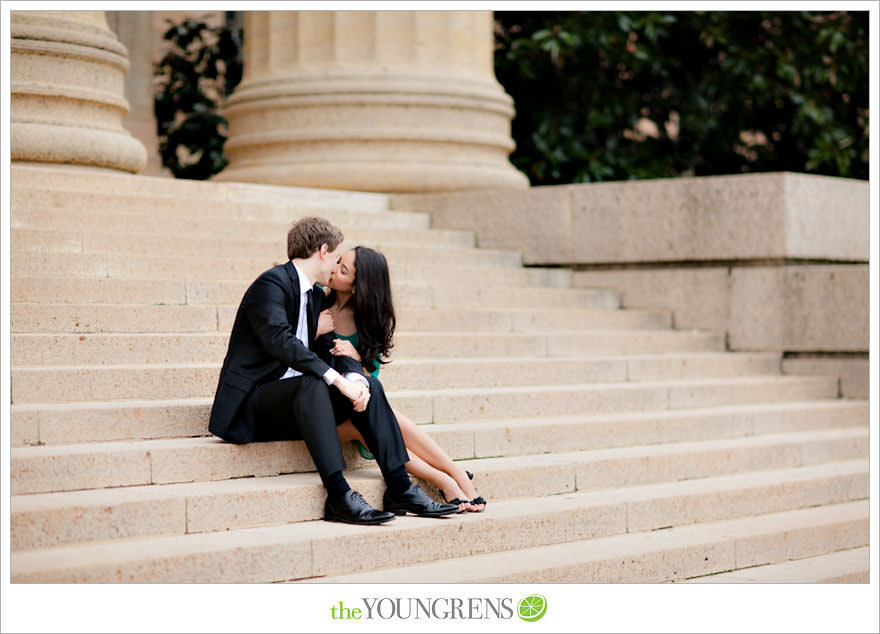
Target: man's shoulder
[(276, 273), (277, 270), (274, 277)]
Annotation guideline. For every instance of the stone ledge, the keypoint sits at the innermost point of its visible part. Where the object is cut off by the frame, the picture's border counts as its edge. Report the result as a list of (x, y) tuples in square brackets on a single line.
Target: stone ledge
[(853, 372), (799, 308), (697, 297), (740, 217), (806, 308)]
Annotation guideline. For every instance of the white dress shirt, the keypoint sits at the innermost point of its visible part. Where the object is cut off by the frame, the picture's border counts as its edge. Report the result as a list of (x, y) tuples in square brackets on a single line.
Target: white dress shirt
[(302, 332)]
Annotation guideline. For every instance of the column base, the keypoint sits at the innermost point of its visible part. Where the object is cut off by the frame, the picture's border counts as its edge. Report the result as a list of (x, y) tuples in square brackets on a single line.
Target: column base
[(46, 143), (384, 127), (386, 177), (67, 74)]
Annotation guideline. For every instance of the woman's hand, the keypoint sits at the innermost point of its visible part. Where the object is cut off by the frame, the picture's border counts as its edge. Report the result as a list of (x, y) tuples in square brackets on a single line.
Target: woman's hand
[(343, 348), (325, 323)]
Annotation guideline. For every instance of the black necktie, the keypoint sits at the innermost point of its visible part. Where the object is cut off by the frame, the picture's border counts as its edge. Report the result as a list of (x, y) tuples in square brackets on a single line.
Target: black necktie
[(310, 314)]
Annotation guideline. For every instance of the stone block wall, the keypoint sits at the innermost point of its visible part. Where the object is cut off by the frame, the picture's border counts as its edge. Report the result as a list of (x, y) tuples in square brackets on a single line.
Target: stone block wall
[(778, 261)]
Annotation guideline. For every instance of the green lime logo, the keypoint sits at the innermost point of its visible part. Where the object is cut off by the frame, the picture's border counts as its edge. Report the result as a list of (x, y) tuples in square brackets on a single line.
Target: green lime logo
[(532, 608)]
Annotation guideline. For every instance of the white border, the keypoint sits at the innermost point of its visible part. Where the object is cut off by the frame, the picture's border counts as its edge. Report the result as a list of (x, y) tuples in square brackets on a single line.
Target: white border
[(305, 607)]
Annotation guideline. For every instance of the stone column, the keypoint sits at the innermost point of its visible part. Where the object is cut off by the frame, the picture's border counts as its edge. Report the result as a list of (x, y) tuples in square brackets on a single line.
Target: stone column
[(135, 30), (67, 73), (391, 101)]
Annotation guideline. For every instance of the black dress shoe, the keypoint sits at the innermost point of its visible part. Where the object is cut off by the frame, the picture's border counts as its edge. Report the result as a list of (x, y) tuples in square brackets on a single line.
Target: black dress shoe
[(416, 501), (351, 508)]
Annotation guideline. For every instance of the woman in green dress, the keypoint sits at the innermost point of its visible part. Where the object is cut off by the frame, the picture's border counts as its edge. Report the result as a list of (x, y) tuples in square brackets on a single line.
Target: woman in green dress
[(359, 310)]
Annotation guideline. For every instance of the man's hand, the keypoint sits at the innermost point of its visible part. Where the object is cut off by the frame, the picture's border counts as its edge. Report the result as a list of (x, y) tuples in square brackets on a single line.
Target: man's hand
[(325, 323), (356, 392), (360, 404)]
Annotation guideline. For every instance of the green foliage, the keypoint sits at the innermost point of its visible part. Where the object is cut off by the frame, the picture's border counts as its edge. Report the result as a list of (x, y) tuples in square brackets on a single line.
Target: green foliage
[(202, 66), (616, 96)]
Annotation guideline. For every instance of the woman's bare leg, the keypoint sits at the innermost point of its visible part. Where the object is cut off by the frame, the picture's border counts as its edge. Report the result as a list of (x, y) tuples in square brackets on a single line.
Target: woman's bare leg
[(421, 469), (416, 466), (347, 431), (419, 442)]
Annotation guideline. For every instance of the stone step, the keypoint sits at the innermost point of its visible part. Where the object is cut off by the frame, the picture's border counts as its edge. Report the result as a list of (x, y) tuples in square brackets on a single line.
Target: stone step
[(672, 554), (601, 316), (68, 178), (355, 226), (149, 242), (157, 245), (845, 566), (90, 348), (527, 436), (636, 465), (65, 423), (305, 550), (43, 520), (582, 331), (187, 267), (165, 206), (244, 271), (104, 290), (398, 255), (37, 469), (172, 381), (115, 290), (92, 318), (28, 349), (453, 275), (596, 311), (58, 423), (188, 416), (459, 404)]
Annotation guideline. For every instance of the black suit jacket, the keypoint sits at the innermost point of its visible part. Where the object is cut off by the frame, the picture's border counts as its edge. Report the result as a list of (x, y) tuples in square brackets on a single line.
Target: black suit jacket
[(262, 346)]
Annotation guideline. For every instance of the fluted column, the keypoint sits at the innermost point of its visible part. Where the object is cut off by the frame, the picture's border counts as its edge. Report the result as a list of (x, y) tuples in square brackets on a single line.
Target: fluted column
[(392, 101), (67, 74)]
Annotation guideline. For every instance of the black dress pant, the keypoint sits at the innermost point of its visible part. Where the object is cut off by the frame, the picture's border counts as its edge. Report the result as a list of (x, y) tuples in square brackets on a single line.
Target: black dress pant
[(305, 408), (377, 424)]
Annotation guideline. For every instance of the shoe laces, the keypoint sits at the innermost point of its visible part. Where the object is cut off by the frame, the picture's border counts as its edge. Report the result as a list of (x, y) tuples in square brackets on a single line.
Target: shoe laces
[(356, 496)]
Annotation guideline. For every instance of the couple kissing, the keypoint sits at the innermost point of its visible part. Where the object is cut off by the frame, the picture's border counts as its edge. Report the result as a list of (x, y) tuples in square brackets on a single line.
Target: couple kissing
[(303, 361)]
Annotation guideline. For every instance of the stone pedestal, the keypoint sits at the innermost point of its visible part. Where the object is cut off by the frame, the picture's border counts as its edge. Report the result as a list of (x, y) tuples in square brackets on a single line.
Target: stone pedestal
[(67, 74), (391, 101)]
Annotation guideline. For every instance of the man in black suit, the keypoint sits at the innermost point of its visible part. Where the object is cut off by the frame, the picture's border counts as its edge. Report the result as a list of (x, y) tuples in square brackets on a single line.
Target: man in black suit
[(274, 386)]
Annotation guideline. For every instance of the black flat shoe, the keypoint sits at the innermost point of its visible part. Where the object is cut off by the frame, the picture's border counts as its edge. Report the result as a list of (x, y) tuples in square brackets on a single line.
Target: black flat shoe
[(417, 502), (456, 501), (478, 500), (351, 508)]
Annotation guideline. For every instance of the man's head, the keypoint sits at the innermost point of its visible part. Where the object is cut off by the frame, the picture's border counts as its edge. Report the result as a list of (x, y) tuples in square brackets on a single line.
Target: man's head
[(316, 243)]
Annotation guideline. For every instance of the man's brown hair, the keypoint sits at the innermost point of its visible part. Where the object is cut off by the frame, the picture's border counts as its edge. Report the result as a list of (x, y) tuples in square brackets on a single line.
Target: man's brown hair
[(308, 234)]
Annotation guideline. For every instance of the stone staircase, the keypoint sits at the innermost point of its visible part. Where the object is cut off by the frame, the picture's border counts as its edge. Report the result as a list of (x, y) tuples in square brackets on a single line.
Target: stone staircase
[(610, 447)]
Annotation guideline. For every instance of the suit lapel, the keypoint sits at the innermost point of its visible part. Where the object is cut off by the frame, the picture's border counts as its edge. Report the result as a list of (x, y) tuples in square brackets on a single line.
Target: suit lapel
[(293, 310), (311, 320)]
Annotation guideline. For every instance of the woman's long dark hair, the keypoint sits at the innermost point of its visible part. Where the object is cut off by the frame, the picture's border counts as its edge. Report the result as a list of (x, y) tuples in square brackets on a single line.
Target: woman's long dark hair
[(372, 305)]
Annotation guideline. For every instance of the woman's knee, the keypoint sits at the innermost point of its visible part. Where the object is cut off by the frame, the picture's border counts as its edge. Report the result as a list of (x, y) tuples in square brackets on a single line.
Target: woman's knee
[(375, 385), (347, 431), (404, 421)]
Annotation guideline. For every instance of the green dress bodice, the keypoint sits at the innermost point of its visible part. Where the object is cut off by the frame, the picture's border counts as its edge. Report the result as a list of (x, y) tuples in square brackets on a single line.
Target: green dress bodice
[(354, 339)]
